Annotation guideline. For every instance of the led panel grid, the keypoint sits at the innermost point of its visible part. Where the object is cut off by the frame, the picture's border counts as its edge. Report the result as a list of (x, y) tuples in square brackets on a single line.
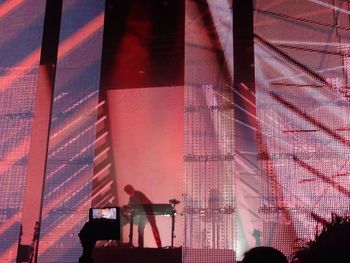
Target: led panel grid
[(209, 207), (19, 61), (303, 109), (68, 190), (16, 116)]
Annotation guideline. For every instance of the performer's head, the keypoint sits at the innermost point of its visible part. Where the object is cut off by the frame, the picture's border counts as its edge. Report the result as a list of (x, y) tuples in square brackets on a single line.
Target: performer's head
[(129, 189)]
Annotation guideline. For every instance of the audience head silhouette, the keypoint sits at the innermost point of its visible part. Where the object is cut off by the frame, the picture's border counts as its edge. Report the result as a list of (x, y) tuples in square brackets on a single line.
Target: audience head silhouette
[(264, 255), (332, 244)]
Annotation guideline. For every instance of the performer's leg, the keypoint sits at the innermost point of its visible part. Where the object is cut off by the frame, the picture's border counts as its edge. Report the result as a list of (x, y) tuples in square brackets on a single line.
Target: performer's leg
[(141, 230), (155, 231), (123, 221)]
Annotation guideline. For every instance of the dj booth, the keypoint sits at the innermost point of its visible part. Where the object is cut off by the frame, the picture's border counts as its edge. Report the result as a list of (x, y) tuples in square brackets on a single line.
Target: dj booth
[(151, 209)]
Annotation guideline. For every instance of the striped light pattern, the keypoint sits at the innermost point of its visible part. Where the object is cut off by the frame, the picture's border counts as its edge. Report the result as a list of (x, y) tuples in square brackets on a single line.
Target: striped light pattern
[(69, 171), (19, 69), (302, 79)]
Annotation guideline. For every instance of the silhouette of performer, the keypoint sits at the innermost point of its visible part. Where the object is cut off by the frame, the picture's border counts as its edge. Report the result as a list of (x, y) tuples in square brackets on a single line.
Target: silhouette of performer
[(137, 198)]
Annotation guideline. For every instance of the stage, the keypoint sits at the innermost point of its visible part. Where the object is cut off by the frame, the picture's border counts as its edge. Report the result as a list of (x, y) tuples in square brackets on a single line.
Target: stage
[(111, 254), (237, 112)]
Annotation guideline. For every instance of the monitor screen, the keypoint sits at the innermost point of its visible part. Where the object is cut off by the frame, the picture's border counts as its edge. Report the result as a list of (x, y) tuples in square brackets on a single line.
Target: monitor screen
[(104, 213)]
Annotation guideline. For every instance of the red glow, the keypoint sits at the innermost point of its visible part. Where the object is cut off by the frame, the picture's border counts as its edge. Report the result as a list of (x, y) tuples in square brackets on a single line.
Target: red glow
[(8, 6), (132, 61), (147, 141)]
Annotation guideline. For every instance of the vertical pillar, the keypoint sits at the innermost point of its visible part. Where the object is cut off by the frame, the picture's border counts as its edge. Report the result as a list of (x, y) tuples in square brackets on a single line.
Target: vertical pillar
[(246, 128), (20, 46), (68, 178), (42, 115), (209, 202)]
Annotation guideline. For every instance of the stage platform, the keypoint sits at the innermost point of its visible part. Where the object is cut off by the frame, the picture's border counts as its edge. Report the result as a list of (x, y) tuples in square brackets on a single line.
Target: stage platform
[(112, 254)]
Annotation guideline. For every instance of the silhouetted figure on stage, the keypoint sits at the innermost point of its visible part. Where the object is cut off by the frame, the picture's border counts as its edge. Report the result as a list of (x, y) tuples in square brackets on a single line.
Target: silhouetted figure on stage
[(139, 199), (264, 255), (332, 244)]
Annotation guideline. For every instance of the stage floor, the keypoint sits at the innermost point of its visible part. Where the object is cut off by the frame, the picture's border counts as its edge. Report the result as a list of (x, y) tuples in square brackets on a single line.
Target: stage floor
[(113, 254)]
